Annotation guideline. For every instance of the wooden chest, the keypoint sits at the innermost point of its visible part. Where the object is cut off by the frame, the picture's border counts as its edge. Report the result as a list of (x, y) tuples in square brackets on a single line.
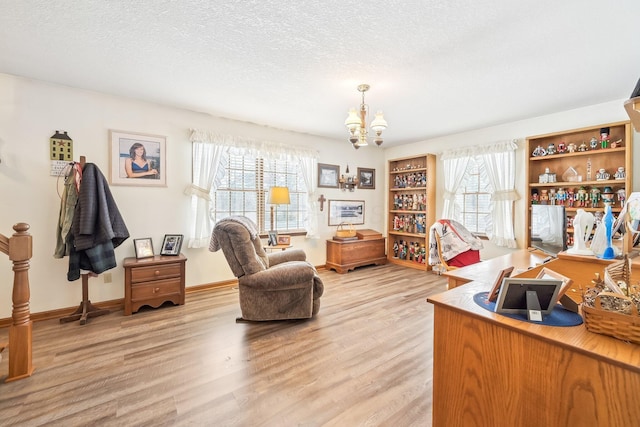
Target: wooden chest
[(153, 281), (343, 256)]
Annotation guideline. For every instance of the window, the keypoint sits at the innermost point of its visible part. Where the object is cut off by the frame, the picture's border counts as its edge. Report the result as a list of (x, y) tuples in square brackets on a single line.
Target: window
[(473, 199), (244, 189)]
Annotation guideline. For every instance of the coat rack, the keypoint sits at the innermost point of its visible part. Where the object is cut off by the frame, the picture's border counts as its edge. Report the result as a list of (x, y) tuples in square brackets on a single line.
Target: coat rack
[(86, 309)]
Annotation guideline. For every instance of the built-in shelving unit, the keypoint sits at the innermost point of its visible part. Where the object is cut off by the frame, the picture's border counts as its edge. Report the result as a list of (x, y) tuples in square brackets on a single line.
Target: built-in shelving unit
[(565, 168)]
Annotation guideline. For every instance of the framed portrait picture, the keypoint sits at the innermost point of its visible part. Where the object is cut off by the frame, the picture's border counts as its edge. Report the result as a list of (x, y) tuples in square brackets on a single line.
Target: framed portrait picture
[(171, 244), (366, 178), (351, 211), (137, 159), (143, 247), (328, 175)]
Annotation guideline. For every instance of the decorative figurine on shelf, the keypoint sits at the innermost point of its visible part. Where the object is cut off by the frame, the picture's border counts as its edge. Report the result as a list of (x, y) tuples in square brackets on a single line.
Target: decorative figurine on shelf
[(622, 197), (604, 138), (562, 148), (561, 196), (583, 147), (571, 197), (551, 149), (535, 198), (571, 148), (620, 173), (617, 143), (539, 152), (607, 196), (395, 249), (544, 197), (593, 144), (582, 197), (582, 227), (602, 175), (595, 197), (552, 196)]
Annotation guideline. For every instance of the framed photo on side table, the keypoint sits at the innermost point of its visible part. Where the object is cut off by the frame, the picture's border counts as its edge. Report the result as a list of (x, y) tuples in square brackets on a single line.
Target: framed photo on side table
[(284, 239), (171, 244), (143, 247)]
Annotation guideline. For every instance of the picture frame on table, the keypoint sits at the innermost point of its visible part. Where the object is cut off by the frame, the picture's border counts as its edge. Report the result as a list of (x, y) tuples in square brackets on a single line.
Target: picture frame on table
[(272, 239), (351, 211), (366, 178), (284, 239), (502, 274), (171, 244), (547, 273), (328, 175), (137, 159), (143, 247)]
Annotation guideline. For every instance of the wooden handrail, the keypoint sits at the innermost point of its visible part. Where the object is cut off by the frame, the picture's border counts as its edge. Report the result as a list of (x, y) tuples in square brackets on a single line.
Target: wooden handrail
[(19, 248)]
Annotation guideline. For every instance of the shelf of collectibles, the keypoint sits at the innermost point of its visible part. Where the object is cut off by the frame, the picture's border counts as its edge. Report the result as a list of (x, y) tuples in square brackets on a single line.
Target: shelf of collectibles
[(411, 209), (582, 168)]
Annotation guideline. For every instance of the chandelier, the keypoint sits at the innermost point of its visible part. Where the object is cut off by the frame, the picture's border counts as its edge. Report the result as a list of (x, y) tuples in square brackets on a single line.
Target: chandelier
[(356, 122)]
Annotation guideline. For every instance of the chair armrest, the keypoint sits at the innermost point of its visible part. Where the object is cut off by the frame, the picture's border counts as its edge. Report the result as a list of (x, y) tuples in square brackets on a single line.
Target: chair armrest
[(276, 258), (287, 275)]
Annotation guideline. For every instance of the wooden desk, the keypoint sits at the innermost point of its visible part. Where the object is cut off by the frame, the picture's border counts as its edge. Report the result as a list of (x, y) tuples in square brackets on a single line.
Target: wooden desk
[(487, 271), (492, 370)]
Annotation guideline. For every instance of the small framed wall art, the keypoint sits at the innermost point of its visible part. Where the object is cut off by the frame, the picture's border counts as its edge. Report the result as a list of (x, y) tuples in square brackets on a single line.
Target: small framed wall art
[(366, 178), (328, 175)]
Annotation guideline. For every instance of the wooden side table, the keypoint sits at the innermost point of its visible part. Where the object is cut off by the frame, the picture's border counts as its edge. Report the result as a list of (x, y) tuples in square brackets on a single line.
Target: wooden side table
[(276, 247), (153, 281)]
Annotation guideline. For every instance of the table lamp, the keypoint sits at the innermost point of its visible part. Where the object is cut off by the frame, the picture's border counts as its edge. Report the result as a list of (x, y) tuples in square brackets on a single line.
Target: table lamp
[(277, 196)]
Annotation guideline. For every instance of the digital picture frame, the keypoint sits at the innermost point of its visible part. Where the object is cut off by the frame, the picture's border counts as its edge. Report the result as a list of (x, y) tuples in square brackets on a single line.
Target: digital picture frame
[(512, 297)]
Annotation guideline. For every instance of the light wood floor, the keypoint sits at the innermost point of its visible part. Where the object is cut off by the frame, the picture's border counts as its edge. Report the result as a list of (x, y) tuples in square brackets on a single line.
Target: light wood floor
[(365, 360)]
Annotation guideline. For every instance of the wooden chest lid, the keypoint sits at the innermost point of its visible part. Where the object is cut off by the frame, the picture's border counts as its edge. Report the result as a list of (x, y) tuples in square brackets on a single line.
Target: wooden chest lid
[(368, 234)]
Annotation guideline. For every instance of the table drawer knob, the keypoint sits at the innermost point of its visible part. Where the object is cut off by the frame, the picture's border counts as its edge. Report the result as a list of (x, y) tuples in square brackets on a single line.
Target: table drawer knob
[(156, 290), (157, 272)]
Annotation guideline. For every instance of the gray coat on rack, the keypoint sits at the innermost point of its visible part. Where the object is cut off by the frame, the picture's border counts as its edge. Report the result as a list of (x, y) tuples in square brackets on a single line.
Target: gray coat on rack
[(97, 228)]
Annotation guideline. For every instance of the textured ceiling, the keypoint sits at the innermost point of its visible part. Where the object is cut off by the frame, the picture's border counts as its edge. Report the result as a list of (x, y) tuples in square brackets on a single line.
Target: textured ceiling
[(435, 67)]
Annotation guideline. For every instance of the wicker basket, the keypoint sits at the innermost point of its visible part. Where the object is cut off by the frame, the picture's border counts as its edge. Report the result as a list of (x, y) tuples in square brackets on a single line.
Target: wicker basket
[(345, 229), (622, 326)]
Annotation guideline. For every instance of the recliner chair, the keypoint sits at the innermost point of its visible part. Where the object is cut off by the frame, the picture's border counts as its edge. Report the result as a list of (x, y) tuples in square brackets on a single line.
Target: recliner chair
[(277, 286)]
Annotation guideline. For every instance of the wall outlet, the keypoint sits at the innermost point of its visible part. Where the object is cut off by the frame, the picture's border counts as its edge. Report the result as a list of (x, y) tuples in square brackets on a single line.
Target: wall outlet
[(107, 277)]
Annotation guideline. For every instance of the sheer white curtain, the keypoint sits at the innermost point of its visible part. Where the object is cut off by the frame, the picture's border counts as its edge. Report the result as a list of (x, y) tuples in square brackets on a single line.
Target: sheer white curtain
[(499, 161), (308, 165), (209, 151), (454, 166), (207, 158)]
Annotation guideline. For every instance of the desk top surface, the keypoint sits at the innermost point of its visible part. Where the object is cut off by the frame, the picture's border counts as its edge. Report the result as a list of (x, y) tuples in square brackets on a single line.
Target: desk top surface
[(574, 338), (487, 271)]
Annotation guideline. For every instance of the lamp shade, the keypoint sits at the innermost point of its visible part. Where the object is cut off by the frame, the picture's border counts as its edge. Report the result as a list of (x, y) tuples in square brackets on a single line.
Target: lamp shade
[(279, 196)]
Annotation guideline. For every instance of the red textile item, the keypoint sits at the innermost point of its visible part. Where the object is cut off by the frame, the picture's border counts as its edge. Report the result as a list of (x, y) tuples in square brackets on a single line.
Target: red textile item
[(465, 258)]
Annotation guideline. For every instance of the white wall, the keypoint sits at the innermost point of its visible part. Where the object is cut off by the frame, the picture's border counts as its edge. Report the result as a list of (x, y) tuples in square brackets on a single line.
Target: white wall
[(31, 112), (584, 117)]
